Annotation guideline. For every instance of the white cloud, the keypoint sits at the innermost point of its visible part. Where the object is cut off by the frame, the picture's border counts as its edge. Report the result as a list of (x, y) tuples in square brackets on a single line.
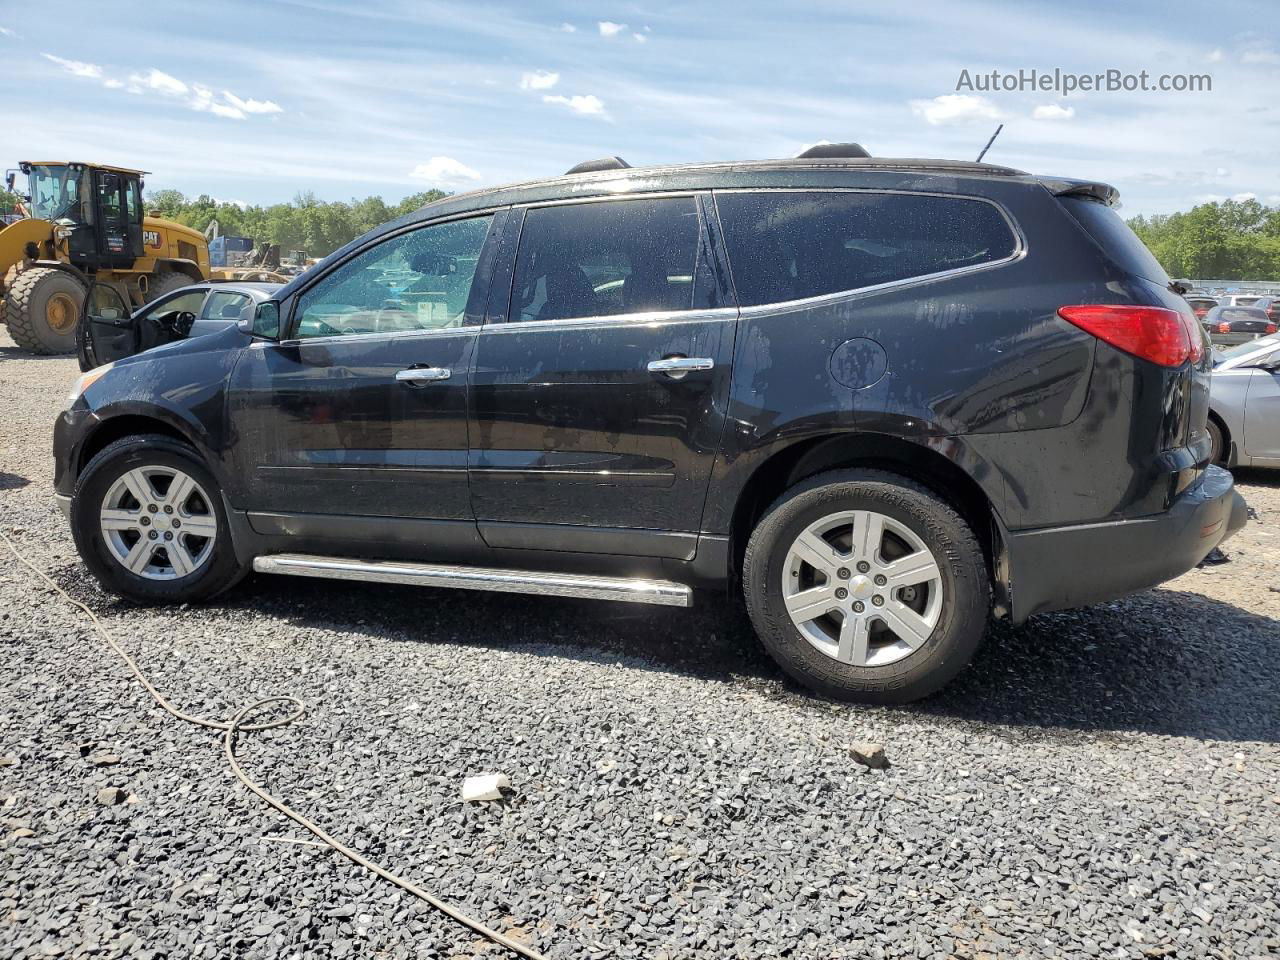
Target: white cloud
[(955, 108), (158, 81), (539, 80), (251, 105), (1258, 51), (1219, 198), (610, 29), (587, 104), (1215, 56), (1052, 111), (639, 38), (567, 28), (6, 32), (76, 67), (444, 171)]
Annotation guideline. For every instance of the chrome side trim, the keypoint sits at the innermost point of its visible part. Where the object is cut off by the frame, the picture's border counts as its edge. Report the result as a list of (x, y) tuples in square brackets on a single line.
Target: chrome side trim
[(657, 319), (661, 592)]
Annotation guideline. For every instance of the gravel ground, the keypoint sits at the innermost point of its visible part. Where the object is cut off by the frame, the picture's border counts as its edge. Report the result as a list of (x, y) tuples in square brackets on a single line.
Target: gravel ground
[(1103, 782)]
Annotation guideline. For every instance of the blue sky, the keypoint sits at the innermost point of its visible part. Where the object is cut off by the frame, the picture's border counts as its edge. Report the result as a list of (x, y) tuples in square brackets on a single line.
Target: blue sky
[(252, 102)]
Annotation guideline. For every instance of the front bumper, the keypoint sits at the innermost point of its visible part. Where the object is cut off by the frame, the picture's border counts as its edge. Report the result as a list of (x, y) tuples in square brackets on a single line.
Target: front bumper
[(1061, 567)]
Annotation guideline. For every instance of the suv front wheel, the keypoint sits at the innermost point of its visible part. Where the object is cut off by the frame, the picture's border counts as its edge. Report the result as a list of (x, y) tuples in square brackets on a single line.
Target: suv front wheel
[(148, 520), (866, 586)]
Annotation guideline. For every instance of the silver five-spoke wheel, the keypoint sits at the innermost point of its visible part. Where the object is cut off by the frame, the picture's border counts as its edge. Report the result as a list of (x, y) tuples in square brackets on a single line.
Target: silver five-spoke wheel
[(862, 588), (158, 523)]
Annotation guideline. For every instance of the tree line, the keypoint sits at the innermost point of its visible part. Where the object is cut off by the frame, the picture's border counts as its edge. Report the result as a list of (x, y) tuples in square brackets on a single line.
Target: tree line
[(305, 223), (1227, 240)]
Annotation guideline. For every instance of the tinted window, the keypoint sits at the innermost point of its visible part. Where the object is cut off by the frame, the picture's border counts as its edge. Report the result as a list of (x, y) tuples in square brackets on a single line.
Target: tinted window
[(1115, 238), (224, 305), (788, 246), (1241, 313), (602, 259), (419, 280)]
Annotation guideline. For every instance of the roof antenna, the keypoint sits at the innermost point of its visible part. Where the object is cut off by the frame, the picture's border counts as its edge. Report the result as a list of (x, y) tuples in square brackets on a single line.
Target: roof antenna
[(989, 143)]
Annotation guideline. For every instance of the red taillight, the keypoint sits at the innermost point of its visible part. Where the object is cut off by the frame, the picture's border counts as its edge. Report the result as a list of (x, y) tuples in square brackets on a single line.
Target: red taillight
[(1271, 328), (1224, 327), (1201, 311), (1162, 336)]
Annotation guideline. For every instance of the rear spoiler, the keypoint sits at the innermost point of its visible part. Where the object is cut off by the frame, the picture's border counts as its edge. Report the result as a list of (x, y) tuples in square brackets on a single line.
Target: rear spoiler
[(1063, 187)]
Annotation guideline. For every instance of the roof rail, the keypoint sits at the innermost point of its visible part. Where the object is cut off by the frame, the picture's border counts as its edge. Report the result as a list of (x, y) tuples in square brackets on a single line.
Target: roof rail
[(832, 150), (604, 163)]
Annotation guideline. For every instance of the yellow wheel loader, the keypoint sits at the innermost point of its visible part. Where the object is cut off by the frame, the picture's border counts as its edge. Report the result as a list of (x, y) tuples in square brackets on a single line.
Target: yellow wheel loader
[(86, 223)]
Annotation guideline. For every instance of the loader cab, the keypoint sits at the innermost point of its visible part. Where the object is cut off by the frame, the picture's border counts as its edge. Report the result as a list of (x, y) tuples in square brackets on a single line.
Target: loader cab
[(101, 206)]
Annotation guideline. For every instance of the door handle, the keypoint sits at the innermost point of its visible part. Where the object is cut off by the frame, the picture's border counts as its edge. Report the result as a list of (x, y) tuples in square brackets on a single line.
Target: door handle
[(677, 367), (416, 375)]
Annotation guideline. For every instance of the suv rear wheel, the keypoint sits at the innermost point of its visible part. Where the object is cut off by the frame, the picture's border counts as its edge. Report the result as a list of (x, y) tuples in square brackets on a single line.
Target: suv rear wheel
[(866, 586), (148, 519)]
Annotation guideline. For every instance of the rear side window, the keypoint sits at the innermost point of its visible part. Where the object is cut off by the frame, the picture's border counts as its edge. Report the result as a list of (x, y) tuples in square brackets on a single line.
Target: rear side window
[(1115, 238), (606, 258), (224, 305), (790, 245)]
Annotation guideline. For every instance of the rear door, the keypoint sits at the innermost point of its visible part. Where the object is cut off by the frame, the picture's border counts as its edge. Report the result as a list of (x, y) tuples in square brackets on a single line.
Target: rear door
[(599, 392)]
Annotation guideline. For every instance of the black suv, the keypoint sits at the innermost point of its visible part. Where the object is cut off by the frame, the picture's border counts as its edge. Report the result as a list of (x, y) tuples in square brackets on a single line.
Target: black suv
[(882, 398)]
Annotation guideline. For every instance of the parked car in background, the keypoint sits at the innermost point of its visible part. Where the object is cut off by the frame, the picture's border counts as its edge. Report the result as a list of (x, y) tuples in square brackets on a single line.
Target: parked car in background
[(880, 398), (1228, 326), (108, 331), (1201, 304), (1244, 404), (1271, 305)]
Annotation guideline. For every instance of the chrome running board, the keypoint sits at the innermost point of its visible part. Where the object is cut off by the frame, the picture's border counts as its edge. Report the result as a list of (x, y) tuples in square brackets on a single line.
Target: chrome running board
[(630, 590)]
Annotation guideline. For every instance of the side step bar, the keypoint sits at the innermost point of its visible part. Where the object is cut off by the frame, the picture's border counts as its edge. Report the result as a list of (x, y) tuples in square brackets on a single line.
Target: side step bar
[(662, 592)]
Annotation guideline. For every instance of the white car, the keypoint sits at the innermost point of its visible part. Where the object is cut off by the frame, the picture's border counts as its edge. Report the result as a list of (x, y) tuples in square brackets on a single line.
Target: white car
[(1244, 404)]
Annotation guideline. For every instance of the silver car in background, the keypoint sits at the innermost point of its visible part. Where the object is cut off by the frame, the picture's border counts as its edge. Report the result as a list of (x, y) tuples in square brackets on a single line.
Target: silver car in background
[(1244, 404)]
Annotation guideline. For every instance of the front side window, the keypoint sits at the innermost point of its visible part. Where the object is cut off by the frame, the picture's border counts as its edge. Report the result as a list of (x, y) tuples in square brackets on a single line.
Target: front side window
[(419, 280), (606, 258), (224, 305), (787, 245), (188, 302)]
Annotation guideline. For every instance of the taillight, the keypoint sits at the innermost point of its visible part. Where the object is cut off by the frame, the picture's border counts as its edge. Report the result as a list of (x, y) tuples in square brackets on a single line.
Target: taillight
[(1224, 327), (1271, 328), (1201, 311), (1163, 336)]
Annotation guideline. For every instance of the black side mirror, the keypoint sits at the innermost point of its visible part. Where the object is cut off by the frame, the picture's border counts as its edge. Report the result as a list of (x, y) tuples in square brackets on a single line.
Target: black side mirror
[(265, 322)]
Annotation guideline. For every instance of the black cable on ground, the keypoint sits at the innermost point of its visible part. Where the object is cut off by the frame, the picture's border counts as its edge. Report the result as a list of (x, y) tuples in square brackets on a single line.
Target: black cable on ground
[(237, 725)]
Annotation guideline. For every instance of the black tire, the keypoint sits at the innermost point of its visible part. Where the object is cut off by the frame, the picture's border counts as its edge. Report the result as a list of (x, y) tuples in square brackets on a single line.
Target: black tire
[(1217, 448), (37, 295), (217, 573), (166, 281), (966, 588)]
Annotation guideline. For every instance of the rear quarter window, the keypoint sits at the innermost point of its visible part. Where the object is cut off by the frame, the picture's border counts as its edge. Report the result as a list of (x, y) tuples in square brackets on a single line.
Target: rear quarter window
[(790, 245), (1118, 242)]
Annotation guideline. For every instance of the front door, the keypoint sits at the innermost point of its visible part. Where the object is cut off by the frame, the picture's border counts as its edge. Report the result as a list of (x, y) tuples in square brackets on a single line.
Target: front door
[(118, 210), (598, 393), (358, 418), (106, 331)]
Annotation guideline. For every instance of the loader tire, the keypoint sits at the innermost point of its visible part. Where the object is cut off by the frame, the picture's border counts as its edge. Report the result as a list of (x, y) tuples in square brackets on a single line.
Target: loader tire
[(42, 308), (166, 281)]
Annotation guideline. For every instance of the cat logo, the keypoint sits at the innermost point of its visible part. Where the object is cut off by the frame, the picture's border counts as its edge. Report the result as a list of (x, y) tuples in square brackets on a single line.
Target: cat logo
[(151, 238)]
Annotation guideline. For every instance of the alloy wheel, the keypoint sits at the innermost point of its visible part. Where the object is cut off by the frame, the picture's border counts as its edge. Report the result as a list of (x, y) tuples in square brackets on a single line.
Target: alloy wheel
[(862, 588), (158, 523)]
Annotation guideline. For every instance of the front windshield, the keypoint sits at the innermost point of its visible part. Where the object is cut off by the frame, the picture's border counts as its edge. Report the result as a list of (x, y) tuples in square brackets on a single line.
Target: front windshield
[(1245, 349), (55, 191)]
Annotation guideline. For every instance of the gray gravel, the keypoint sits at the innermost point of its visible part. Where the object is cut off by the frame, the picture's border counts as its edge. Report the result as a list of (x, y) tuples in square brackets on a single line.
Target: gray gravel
[(1103, 782)]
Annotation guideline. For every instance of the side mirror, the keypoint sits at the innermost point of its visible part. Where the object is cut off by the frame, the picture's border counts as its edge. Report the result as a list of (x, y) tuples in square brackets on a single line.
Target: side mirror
[(265, 322)]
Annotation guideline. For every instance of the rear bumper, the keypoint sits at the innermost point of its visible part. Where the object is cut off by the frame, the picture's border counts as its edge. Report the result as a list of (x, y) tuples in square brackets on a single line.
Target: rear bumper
[(1061, 567)]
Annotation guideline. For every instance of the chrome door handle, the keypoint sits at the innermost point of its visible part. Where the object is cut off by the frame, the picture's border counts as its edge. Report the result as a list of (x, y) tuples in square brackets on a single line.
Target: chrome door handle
[(677, 367), (423, 375)]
